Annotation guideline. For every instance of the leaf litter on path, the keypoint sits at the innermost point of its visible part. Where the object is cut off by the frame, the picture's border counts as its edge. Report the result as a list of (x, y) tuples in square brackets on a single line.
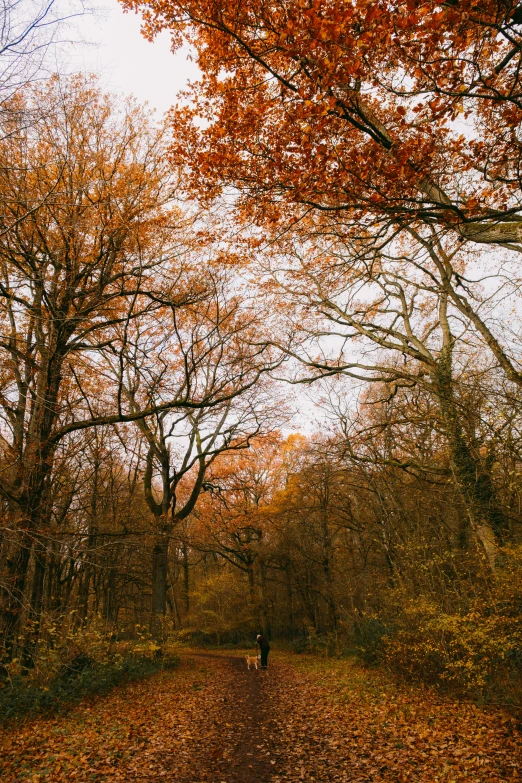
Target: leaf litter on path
[(212, 721), (337, 722)]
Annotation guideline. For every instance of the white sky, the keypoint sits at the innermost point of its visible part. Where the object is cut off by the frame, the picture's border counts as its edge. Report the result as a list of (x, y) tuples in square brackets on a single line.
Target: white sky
[(125, 61)]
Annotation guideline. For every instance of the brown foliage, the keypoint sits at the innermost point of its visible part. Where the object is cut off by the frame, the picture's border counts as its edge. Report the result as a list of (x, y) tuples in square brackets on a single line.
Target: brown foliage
[(351, 108)]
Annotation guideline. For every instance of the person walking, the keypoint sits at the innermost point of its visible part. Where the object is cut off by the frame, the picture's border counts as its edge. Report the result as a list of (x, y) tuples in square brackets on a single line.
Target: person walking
[(264, 648)]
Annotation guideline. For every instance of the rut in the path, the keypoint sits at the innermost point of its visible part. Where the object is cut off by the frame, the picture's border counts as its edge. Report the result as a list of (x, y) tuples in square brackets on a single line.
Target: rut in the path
[(245, 753)]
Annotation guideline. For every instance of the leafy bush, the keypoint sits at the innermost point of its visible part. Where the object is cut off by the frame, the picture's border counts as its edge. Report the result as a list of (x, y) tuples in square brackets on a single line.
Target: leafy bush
[(475, 648), (300, 645), (326, 644), (369, 634), (84, 661), (20, 696)]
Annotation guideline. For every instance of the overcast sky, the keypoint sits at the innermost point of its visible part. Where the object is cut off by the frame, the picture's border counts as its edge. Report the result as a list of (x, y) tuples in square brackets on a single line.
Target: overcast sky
[(127, 62)]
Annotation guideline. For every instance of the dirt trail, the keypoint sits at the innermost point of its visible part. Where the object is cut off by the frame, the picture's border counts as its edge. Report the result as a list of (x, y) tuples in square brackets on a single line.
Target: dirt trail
[(213, 721), (239, 748)]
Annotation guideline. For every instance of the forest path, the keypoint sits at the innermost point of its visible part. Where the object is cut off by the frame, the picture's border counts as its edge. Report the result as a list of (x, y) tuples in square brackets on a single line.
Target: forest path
[(305, 719)]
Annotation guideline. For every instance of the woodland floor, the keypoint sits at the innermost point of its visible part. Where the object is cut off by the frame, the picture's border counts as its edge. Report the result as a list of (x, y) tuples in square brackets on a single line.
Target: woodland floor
[(306, 719)]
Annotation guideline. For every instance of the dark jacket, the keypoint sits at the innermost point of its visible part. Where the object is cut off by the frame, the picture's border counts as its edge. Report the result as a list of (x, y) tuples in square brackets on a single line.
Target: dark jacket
[(263, 643)]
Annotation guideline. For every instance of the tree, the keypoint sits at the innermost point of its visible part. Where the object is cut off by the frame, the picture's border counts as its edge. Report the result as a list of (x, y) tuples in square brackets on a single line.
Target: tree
[(233, 519), (85, 230), (351, 110), (28, 34), (209, 350), (389, 318), (368, 147)]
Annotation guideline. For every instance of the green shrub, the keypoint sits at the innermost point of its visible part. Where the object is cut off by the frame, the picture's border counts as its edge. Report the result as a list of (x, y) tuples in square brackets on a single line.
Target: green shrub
[(300, 645), (369, 635), (21, 697), (326, 644)]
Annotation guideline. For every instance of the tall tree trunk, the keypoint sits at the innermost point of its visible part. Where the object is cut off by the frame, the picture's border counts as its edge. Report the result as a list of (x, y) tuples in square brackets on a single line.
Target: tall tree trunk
[(33, 509), (85, 582), (17, 569), (290, 596), (173, 604), (111, 607), (251, 582), (160, 555), (83, 595), (186, 575), (35, 606), (485, 516), (264, 619), (327, 571), (50, 579)]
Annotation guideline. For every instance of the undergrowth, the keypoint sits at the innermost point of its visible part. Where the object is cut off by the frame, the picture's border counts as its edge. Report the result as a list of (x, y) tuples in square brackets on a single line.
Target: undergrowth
[(20, 696)]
